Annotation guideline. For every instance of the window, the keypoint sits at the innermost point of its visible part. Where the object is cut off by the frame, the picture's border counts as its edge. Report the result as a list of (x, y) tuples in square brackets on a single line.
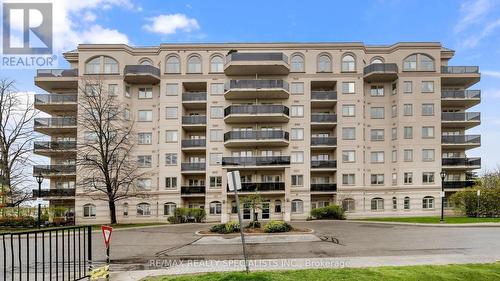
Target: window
[(297, 111), (348, 64), (145, 138), (215, 158), (428, 155), (394, 87), (215, 208), (408, 155), (427, 109), (216, 135), (144, 183), (169, 209), (377, 60), (277, 206), (408, 178), (428, 202), (215, 181), (377, 134), (144, 161), (216, 112), (126, 114), (143, 209), (349, 133), (377, 204), (297, 134), (297, 88), (348, 179), (394, 111), (145, 61), (216, 64), (110, 66), (394, 156), (172, 89), (377, 91), (217, 89), (348, 88), (125, 209), (394, 133), (170, 182), (145, 93), (407, 203), (377, 156), (427, 87), (90, 136), (297, 180), (324, 63), (408, 132), (407, 87), (377, 112), (410, 63), (377, 179), (428, 132), (348, 156), (194, 64), (428, 177), (408, 109), (171, 136), (394, 203), (297, 206), (348, 205), (93, 66), (426, 63), (297, 64), (173, 65), (89, 211), (348, 110), (171, 112), (234, 208), (92, 90), (112, 89), (297, 157), (127, 92), (145, 115), (170, 159)]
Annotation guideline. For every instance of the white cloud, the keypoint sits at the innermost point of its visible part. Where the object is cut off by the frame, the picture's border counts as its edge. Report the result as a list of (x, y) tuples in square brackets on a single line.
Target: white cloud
[(478, 20), (171, 24), (99, 34), (495, 94), (491, 73), (473, 40), (472, 12)]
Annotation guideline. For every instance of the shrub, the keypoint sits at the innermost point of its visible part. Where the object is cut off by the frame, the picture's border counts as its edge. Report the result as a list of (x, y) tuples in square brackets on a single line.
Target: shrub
[(465, 202), (254, 224), (223, 228), (218, 228), (277, 226), (184, 215), (329, 212)]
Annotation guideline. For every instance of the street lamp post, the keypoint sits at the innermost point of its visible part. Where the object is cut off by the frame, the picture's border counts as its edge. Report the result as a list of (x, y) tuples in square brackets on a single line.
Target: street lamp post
[(39, 179), (443, 175)]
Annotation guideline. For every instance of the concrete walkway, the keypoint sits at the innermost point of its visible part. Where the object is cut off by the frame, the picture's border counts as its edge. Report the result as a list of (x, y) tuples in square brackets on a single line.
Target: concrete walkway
[(257, 239)]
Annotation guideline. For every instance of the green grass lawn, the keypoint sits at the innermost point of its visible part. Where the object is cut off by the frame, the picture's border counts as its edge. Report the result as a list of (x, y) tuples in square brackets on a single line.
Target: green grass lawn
[(435, 219), (482, 272), (94, 227)]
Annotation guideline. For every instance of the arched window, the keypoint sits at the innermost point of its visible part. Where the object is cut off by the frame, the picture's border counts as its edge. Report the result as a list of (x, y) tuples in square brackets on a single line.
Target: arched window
[(418, 62), (173, 65), (377, 204), (349, 205), (277, 206), (410, 63), (169, 209), (216, 64), (377, 60), (89, 211), (143, 209), (110, 65), (93, 66), (297, 63), (194, 64), (428, 202), (234, 209), (348, 64), (407, 203), (324, 63), (125, 209), (426, 63), (394, 203), (145, 61), (215, 208), (297, 206)]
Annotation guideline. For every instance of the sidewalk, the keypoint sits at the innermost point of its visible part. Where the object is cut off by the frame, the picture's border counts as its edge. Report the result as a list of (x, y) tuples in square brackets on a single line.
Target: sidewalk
[(479, 224)]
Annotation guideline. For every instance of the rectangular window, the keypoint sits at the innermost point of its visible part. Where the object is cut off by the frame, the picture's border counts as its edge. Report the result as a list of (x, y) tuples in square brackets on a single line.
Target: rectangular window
[(145, 115), (127, 91), (170, 182), (377, 134), (407, 87), (216, 112), (394, 178), (349, 133), (113, 89), (171, 136), (217, 89), (144, 161), (297, 134), (377, 157), (215, 182), (394, 111), (171, 159), (394, 156), (297, 111), (297, 88), (297, 157), (377, 91), (145, 138), (297, 180), (408, 178), (394, 133), (171, 112), (427, 86), (215, 158), (348, 88), (428, 132), (427, 109), (348, 179), (428, 155), (428, 177), (216, 135), (126, 114), (408, 109), (172, 89), (144, 183), (348, 110), (145, 93), (408, 132), (408, 155), (377, 179), (348, 156), (377, 112)]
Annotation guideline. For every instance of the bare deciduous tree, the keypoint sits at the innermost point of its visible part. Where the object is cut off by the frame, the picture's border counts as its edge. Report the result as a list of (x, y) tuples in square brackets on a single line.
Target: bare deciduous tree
[(105, 169)]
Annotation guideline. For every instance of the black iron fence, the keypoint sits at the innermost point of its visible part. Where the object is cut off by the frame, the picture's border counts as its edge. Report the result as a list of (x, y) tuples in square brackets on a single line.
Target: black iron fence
[(256, 135), (256, 161)]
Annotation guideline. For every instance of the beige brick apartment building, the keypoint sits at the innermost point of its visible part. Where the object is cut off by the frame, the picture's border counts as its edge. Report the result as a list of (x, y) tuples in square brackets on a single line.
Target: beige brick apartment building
[(307, 124)]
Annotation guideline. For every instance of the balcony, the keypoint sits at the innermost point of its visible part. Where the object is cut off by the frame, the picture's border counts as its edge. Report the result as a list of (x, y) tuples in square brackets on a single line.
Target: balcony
[(461, 163), (467, 98), (193, 168), (380, 72), (54, 193), (323, 164), (267, 113), (259, 161), (323, 120), (461, 141), (57, 79), (323, 187), (55, 125), (458, 184), (256, 63), (194, 122), (54, 148), (194, 100), (194, 144), (256, 89), (323, 142), (460, 76), (460, 119), (141, 74), (267, 187), (193, 191), (54, 170), (256, 138), (56, 103)]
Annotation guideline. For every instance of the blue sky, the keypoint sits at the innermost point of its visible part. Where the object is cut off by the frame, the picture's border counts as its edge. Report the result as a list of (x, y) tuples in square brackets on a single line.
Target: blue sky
[(472, 28)]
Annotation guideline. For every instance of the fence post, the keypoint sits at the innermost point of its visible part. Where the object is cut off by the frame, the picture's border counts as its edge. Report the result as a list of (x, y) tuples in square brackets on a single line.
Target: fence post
[(89, 239)]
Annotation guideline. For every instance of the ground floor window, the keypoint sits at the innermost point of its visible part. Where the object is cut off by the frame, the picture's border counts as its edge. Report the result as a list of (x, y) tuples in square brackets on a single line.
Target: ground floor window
[(169, 209), (89, 210), (348, 205), (394, 203), (297, 206), (319, 204), (215, 208), (277, 206), (143, 209), (377, 204), (246, 211), (125, 209), (428, 202), (265, 210), (407, 203), (234, 207)]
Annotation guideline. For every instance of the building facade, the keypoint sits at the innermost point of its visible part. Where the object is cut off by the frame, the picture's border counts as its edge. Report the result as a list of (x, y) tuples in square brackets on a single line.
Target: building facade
[(306, 124)]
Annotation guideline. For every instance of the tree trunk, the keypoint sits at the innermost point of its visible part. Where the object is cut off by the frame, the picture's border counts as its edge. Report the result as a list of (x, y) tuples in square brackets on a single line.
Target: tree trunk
[(112, 211)]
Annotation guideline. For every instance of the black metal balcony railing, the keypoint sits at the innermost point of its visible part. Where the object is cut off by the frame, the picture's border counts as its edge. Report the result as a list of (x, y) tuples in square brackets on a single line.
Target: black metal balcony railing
[(476, 161), (54, 145), (57, 72), (321, 164), (324, 95), (461, 116), (464, 94), (194, 96), (256, 57), (323, 141), (323, 118), (256, 161), (193, 166), (54, 169), (194, 143), (56, 99), (380, 67), (458, 184), (257, 109), (324, 187), (142, 69), (256, 135), (262, 186), (54, 192), (459, 69), (55, 122), (192, 189), (461, 139), (194, 119), (256, 84)]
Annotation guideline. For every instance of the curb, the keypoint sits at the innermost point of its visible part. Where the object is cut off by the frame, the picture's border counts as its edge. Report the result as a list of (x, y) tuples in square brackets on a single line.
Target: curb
[(255, 234), (484, 224)]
